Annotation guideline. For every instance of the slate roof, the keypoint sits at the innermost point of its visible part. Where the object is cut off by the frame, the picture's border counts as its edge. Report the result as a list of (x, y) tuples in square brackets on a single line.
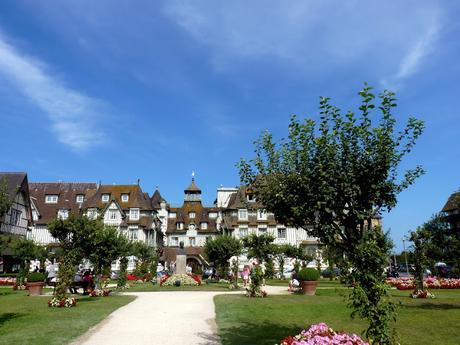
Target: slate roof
[(137, 199), (67, 193), (157, 199), (15, 181), (193, 188), (452, 202), (201, 215)]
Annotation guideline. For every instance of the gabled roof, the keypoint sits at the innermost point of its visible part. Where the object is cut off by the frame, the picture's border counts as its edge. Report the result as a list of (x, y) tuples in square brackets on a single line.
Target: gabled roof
[(14, 182), (137, 199), (67, 194), (239, 200), (452, 203), (157, 199)]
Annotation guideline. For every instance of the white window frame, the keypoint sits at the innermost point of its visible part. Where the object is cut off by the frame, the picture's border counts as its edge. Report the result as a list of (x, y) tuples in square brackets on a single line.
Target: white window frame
[(180, 226), (134, 213), (174, 241), (261, 214), (250, 197), (92, 213), (204, 226), (79, 198), (192, 215), (15, 216), (212, 214), (172, 215), (243, 231), (280, 230), (113, 214), (260, 232), (192, 241), (133, 233), (51, 199), (242, 214), (105, 197), (63, 213), (124, 197)]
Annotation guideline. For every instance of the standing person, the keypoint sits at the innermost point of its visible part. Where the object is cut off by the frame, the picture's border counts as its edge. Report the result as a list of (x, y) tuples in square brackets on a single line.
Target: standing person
[(51, 276), (245, 274)]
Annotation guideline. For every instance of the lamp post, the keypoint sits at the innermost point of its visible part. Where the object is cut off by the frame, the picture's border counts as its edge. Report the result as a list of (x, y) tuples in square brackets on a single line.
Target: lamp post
[(405, 255)]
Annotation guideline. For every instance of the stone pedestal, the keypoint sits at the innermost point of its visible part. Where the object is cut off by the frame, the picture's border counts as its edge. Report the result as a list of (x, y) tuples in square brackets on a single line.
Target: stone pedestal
[(180, 264)]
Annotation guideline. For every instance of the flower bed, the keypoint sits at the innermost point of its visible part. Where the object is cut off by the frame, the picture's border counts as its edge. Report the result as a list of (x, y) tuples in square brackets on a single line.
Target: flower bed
[(99, 293), (183, 279), (7, 281), (322, 334), (62, 303), (430, 283)]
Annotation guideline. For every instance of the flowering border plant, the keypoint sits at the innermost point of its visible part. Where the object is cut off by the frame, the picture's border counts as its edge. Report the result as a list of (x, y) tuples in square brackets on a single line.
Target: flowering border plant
[(322, 334), (421, 294), (68, 302), (99, 293), (184, 279)]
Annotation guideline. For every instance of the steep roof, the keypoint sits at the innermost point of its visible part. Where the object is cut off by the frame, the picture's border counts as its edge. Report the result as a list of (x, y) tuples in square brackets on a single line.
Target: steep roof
[(192, 188), (14, 182), (137, 199), (452, 203), (201, 215), (239, 200), (67, 194), (157, 199)]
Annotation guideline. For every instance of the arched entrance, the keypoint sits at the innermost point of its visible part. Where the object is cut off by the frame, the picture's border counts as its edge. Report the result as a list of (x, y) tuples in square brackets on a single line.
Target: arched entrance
[(195, 264)]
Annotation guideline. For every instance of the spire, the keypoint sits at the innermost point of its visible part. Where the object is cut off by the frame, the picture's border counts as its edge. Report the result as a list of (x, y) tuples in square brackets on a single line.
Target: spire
[(192, 192)]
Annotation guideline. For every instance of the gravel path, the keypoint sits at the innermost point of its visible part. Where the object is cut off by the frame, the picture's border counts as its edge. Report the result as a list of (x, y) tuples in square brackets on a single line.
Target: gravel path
[(182, 317)]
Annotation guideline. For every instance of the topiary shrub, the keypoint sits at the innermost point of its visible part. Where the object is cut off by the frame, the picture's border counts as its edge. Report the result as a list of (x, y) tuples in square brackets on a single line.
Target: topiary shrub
[(308, 274), (34, 277)]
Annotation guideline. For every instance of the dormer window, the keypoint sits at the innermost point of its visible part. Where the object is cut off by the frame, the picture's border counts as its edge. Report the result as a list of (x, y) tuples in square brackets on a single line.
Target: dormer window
[(80, 198), (261, 214), (92, 213), (172, 214), (179, 226), (212, 214), (250, 197), (63, 214), (105, 197), (133, 213), (204, 226), (191, 214), (125, 197), (51, 199)]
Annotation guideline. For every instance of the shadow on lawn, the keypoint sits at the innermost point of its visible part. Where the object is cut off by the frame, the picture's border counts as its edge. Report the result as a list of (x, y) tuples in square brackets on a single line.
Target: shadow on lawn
[(255, 334), (434, 306), (5, 317)]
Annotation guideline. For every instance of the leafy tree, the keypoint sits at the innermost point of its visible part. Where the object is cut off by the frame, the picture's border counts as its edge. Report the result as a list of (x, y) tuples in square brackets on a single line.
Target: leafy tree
[(331, 176), (146, 258), (283, 251), (420, 238), (219, 251), (26, 250), (259, 247), (5, 202)]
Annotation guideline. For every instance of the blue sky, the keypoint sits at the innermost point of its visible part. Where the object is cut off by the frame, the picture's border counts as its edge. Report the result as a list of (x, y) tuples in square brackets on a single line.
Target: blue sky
[(116, 91)]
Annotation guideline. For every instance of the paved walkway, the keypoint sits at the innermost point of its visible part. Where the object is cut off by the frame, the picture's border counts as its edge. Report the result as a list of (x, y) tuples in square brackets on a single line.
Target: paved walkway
[(162, 318)]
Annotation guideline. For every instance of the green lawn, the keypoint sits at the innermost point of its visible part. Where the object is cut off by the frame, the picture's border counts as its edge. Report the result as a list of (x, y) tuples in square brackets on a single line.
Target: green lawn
[(29, 320), (266, 321)]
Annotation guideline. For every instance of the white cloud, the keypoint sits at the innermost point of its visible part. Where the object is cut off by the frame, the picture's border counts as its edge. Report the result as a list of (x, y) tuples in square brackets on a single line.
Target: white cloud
[(313, 36), (73, 115)]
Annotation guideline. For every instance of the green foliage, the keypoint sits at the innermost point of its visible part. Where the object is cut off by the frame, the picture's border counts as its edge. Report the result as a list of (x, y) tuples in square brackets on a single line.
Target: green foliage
[(220, 249), (36, 277), (256, 281), (122, 279), (259, 246), (331, 177), (420, 238), (5, 202), (26, 250), (370, 298), (269, 269), (308, 274)]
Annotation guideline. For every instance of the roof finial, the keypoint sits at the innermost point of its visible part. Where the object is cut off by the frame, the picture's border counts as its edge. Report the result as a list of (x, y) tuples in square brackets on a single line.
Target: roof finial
[(193, 175)]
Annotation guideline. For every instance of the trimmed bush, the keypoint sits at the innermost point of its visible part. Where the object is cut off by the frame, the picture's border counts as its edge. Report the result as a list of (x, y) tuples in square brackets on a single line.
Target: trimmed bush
[(36, 277), (308, 274)]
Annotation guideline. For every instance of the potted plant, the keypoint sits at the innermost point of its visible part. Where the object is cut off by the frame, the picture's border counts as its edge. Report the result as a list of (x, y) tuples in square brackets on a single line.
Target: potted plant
[(309, 278), (35, 282)]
